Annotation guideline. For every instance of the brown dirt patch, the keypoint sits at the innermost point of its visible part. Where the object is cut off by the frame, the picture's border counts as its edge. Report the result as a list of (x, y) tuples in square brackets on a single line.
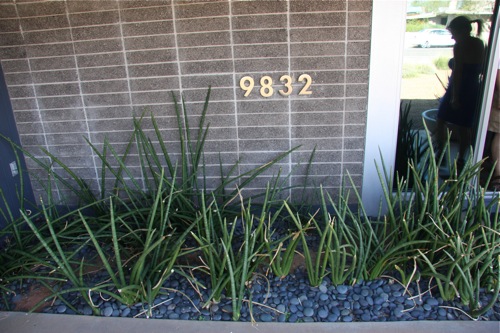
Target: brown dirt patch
[(32, 297), (425, 86), (38, 292)]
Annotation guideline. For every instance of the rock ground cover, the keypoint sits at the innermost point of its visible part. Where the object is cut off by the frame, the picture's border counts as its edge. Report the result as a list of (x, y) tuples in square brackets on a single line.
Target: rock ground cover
[(291, 299)]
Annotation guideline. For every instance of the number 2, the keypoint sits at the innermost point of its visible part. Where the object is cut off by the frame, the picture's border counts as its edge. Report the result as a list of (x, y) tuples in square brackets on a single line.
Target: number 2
[(308, 79)]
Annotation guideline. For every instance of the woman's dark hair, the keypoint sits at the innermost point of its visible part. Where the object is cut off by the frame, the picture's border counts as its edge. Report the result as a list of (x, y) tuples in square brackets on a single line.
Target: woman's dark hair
[(462, 24)]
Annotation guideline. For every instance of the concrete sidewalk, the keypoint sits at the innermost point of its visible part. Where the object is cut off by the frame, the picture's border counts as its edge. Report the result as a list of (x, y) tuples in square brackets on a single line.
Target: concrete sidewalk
[(20, 322)]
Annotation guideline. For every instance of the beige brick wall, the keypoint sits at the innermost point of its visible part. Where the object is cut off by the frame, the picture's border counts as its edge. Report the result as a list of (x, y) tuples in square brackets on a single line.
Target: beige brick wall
[(78, 69)]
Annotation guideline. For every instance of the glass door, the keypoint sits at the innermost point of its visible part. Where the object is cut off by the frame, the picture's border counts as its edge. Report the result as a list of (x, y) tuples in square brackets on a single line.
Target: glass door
[(426, 70)]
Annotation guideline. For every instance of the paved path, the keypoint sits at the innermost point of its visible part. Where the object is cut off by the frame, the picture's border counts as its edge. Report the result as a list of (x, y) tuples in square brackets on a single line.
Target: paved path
[(19, 322)]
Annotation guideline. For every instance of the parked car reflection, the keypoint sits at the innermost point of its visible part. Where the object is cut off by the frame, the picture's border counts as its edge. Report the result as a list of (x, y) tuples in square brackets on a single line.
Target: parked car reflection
[(432, 38)]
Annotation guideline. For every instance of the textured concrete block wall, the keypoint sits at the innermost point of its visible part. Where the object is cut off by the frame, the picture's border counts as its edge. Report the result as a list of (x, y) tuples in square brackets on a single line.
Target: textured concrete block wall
[(82, 69)]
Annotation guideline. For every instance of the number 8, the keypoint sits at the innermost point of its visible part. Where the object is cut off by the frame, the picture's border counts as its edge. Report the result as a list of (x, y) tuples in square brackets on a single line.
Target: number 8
[(267, 86)]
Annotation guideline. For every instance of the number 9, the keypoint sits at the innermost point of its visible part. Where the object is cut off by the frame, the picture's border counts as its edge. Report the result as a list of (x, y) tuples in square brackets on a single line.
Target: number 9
[(247, 87)]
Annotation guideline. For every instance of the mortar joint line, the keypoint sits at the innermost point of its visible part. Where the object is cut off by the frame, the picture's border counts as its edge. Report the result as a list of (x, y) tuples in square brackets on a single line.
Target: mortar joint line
[(35, 95), (288, 97), (179, 74), (346, 41), (84, 109), (129, 88), (235, 94)]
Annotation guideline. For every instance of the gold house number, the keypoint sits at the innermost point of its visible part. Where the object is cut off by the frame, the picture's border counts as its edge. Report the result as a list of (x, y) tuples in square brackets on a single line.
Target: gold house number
[(247, 83)]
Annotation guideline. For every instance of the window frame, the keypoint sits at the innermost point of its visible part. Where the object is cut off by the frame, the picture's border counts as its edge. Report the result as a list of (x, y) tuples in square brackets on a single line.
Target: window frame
[(384, 97)]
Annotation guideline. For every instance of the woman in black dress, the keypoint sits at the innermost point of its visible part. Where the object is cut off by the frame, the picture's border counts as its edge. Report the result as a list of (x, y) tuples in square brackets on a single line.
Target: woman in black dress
[(459, 104)]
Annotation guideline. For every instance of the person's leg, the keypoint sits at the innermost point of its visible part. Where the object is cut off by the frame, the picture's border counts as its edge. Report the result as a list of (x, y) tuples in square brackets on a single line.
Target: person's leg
[(465, 142), (495, 152), (495, 156), (441, 136)]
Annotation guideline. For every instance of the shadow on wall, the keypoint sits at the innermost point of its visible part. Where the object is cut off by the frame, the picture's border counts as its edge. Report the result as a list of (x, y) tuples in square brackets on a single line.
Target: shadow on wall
[(12, 200)]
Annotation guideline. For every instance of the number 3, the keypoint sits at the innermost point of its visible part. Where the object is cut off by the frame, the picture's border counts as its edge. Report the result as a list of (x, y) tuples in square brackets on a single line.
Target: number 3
[(288, 85)]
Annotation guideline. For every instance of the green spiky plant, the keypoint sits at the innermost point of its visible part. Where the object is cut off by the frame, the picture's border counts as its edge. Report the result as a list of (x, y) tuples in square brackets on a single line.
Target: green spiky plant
[(442, 228), (134, 218), (409, 142), (449, 226)]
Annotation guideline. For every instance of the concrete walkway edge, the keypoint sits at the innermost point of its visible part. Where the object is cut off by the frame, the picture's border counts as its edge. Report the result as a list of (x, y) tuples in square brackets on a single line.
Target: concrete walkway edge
[(20, 322)]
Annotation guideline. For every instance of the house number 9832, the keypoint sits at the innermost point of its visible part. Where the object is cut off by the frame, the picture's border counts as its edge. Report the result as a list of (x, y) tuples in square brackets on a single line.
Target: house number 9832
[(247, 83)]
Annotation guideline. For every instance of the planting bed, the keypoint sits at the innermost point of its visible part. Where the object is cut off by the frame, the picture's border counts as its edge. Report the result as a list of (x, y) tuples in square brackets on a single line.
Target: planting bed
[(290, 299), (165, 246)]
